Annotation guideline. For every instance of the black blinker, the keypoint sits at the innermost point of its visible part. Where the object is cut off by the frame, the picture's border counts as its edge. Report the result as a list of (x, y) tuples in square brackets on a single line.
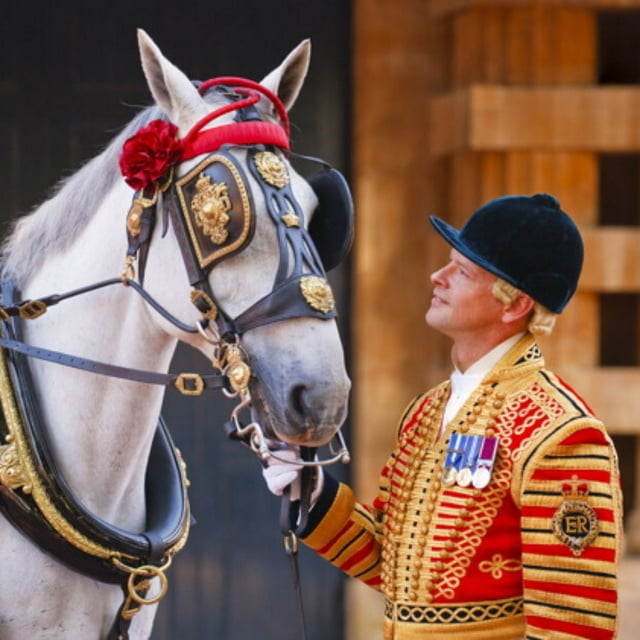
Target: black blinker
[(331, 227)]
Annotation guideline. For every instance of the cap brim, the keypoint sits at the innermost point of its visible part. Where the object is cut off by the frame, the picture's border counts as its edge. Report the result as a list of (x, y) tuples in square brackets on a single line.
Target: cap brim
[(452, 236)]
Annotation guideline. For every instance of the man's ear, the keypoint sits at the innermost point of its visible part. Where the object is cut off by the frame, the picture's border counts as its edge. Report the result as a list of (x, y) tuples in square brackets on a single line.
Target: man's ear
[(520, 307)]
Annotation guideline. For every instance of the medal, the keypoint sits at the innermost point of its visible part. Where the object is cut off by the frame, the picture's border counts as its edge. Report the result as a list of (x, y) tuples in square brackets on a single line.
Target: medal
[(471, 447), (452, 461), (481, 477), (464, 477), (449, 476), (486, 460)]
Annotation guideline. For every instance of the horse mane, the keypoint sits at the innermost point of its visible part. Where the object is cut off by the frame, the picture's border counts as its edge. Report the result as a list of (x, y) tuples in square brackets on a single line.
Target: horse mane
[(54, 224)]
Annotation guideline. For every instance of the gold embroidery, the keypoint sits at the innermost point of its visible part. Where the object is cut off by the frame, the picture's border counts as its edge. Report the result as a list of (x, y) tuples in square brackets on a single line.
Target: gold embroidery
[(416, 565), (575, 523), (444, 614), (497, 565)]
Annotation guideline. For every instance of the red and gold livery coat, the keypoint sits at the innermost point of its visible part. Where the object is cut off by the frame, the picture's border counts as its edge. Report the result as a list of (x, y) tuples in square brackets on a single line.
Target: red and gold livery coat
[(531, 554)]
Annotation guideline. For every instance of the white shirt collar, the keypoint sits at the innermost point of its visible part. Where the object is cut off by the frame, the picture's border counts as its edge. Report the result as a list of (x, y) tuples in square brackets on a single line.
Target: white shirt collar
[(489, 360), (463, 384)]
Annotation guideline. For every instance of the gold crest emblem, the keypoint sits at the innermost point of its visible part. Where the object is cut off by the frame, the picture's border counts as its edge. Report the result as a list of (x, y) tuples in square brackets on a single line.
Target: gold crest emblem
[(272, 169), (317, 293), (210, 206), (575, 522)]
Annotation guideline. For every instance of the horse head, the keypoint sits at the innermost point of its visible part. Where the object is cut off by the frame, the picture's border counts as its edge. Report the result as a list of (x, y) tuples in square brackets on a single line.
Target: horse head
[(243, 223)]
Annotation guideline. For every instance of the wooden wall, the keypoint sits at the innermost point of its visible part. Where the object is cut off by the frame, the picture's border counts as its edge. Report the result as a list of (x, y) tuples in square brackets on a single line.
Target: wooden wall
[(457, 102)]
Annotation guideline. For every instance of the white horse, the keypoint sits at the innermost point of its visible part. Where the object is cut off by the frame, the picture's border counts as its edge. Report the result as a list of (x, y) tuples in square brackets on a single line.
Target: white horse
[(100, 428)]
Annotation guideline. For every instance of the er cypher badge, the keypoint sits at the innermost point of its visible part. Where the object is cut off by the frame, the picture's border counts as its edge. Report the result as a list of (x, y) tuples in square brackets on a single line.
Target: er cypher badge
[(575, 522)]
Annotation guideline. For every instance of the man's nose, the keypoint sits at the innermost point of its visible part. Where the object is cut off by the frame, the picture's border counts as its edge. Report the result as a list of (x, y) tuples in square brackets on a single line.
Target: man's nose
[(438, 276)]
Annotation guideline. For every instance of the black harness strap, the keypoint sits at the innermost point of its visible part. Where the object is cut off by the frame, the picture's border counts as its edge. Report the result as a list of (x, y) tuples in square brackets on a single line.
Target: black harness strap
[(186, 383), (30, 309)]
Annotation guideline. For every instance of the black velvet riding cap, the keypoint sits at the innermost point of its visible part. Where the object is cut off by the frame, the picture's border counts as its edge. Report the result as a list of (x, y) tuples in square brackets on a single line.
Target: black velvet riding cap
[(527, 241)]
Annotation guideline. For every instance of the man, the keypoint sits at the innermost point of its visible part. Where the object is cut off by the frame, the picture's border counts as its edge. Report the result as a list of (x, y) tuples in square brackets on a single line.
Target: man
[(499, 511)]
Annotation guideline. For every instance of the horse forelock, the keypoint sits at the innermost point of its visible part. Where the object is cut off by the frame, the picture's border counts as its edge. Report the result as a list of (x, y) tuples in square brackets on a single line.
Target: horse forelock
[(53, 225)]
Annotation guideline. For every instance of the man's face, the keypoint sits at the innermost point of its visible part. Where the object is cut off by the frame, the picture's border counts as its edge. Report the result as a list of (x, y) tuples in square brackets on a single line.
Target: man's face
[(462, 305)]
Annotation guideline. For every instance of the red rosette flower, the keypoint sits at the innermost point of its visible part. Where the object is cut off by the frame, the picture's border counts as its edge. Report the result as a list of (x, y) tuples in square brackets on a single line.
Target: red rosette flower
[(149, 154)]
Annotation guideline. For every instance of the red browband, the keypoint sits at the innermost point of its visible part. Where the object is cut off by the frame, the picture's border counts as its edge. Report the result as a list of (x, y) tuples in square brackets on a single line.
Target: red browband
[(199, 141)]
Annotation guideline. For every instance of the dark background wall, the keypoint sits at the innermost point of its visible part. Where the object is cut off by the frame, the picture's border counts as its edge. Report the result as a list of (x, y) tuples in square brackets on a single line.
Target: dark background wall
[(70, 77)]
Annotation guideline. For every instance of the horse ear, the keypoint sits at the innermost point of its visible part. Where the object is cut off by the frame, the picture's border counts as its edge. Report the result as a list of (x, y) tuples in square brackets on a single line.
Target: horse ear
[(173, 92), (287, 79)]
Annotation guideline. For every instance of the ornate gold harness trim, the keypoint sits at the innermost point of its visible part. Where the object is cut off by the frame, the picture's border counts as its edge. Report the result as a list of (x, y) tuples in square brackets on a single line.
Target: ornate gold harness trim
[(17, 471), (21, 470)]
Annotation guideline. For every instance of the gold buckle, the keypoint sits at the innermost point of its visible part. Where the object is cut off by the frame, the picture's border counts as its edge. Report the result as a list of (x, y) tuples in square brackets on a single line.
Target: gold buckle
[(194, 389), (32, 309), (204, 304)]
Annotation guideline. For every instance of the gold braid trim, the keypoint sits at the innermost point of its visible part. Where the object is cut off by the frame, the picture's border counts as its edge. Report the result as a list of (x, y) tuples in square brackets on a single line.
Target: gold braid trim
[(450, 614)]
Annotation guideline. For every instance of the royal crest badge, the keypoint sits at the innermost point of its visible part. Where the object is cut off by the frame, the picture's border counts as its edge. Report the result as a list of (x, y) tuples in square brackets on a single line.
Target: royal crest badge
[(575, 522)]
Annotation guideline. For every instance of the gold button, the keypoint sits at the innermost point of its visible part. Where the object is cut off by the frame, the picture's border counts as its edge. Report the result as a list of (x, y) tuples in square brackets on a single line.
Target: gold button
[(413, 596)]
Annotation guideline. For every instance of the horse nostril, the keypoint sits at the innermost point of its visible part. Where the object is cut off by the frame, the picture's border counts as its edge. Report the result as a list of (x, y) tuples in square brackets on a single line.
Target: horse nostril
[(298, 403)]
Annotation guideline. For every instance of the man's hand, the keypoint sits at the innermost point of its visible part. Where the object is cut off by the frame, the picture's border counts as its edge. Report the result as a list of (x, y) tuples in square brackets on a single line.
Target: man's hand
[(279, 474), (283, 470)]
